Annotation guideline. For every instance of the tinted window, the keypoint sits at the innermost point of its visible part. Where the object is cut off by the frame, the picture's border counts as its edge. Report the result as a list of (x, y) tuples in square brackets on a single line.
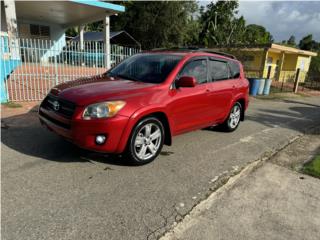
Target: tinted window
[(150, 68), (219, 70), (235, 69), (197, 69)]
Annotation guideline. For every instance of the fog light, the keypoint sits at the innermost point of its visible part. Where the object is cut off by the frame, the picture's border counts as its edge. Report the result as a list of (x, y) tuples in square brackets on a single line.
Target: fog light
[(100, 139)]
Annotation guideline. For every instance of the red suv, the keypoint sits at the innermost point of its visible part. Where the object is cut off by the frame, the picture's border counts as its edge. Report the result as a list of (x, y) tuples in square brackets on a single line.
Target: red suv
[(140, 104)]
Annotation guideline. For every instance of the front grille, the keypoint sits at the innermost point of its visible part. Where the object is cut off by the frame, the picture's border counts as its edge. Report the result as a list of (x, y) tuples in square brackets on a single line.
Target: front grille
[(66, 108), (58, 123)]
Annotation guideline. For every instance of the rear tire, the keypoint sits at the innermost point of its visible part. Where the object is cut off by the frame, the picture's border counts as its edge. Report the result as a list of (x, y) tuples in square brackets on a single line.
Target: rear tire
[(146, 141), (234, 117)]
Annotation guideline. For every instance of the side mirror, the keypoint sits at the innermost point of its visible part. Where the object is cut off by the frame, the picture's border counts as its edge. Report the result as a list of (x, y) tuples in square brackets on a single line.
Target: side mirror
[(237, 75), (186, 81)]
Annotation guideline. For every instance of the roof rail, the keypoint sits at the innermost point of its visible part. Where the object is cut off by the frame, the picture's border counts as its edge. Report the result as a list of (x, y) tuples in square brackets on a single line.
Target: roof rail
[(195, 49), (218, 53)]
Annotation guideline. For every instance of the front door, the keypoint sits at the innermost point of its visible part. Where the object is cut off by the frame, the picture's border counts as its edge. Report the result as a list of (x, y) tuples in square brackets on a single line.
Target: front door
[(189, 107)]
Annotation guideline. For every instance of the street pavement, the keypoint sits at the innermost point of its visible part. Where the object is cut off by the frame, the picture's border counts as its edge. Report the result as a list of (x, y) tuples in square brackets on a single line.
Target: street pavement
[(269, 199), (272, 202), (53, 190)]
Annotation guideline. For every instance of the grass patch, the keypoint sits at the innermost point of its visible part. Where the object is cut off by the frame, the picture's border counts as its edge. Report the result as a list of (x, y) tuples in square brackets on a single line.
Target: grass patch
[(313, 167), (12, 105), (275, 90)]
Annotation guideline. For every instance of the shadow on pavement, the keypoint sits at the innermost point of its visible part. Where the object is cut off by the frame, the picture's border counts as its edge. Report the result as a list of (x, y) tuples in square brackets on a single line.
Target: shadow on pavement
[(300, 117), (289, 118), (302, 103), (24, 133)]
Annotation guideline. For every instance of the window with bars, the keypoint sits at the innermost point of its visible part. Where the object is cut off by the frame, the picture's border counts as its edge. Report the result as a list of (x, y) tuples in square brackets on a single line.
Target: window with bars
[(39, 30)]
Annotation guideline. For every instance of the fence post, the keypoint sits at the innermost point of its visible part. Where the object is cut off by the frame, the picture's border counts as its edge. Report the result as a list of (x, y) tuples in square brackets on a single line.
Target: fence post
[(296, 81), (55, 63), (106, 37)]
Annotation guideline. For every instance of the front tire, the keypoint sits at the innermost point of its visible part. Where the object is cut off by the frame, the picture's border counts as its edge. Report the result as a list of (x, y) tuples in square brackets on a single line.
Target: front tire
[(146, 141), (234, 117)]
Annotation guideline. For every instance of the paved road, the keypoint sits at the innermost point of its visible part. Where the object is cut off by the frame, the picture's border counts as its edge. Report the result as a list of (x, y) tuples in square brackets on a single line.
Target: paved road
[(267, 200), (52, 190)]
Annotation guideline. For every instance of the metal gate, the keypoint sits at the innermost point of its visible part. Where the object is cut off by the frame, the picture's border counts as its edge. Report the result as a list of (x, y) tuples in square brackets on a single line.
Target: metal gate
[(45, 63)]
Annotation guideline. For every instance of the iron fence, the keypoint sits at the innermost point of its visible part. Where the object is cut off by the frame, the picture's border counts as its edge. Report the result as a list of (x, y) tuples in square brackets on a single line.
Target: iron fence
[(312, 83), (308, 83), (45, 63), (285, 83)]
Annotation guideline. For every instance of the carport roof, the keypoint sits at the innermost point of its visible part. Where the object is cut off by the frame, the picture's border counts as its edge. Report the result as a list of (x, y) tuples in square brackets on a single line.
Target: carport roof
[(120, 37), (65, 13)]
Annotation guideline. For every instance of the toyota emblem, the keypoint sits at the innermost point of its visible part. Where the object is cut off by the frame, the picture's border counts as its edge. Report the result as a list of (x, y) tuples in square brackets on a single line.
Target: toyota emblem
[(56, 105)]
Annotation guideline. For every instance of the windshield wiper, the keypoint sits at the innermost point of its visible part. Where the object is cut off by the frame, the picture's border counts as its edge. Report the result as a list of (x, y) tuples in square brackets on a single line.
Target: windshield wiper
[(127, 77)]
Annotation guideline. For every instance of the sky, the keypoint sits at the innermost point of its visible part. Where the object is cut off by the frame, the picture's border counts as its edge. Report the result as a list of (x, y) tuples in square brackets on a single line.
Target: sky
[(283, 18)]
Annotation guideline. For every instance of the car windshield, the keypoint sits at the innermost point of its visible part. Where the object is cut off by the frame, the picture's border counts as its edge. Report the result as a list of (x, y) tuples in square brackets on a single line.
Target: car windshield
[(149, 68)]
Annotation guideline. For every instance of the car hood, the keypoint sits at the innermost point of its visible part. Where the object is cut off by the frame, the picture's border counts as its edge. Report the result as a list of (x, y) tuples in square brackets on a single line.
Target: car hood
[(89, 90)]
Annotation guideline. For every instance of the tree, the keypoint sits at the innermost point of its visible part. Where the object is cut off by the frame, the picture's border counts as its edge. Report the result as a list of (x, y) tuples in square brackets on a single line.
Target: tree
[(292, 41), (221, 26), (307, 43), (191, 33), (72, 32), (159, 23), (256, 34), (315, 66), (92, 27)]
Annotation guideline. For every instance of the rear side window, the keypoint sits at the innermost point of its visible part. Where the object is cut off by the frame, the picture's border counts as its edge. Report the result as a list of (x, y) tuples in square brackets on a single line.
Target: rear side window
[(219, 70), (235, 69), (197, 69)]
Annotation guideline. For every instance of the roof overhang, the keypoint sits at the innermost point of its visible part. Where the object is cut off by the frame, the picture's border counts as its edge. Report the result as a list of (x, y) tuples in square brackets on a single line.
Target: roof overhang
[(291, 50), (66, 13), (268, 47)]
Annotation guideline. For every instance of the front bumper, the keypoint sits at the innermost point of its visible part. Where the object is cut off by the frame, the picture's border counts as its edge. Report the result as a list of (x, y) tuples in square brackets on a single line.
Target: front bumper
[(83, 132)]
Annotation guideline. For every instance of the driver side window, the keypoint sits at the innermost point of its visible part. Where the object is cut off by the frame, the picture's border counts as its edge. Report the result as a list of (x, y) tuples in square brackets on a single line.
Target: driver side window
[(196, 69)]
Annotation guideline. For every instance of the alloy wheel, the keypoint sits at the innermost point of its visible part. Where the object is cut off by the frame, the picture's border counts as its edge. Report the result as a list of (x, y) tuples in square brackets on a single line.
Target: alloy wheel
[(148, 141), (234, 117)]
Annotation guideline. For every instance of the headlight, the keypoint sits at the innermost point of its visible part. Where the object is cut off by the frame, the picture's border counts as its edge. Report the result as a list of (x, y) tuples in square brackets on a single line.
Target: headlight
[(103, 109)]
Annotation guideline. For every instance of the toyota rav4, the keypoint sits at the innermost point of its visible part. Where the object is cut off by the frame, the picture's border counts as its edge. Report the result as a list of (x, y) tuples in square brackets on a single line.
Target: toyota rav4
[(141, 103)]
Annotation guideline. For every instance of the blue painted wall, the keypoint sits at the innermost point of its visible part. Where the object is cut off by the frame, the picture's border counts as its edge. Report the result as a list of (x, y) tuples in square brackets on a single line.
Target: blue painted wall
[(7, 65)]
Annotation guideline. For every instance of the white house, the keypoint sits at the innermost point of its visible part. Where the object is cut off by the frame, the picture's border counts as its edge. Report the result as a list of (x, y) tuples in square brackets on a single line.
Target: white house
[(48, 20)]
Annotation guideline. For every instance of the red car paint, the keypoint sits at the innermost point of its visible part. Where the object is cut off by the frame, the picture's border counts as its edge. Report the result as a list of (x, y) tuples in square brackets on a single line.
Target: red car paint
[(185, 109)]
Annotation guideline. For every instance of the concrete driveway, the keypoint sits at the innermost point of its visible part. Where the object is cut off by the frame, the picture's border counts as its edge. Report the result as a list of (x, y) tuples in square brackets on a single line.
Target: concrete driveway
[(52, 190)]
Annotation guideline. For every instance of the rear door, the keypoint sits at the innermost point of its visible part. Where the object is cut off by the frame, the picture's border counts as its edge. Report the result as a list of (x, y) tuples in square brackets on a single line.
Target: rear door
[(223, 84)]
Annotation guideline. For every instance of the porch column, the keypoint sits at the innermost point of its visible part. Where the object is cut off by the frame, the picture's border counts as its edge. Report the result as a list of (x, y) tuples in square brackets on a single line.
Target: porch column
[(263, 61), (12, 28), (106, 39), (81, 31), (280, 66)]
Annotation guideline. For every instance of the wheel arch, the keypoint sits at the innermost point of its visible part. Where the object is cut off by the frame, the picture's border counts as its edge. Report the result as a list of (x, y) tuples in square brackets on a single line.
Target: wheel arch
[(165, 122), (243, 106), (137, 117)]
